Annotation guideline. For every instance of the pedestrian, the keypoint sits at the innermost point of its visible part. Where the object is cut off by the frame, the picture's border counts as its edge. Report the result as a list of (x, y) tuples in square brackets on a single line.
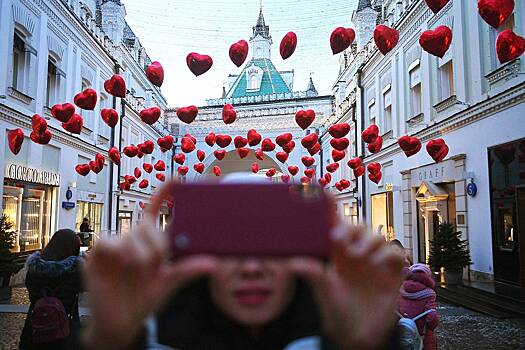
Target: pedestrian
[(139, 299), (418, 296), (53, 273), (85, 232)]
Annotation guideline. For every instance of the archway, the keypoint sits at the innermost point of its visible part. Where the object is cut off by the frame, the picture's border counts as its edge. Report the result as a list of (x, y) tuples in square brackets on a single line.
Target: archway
[(232, 163)]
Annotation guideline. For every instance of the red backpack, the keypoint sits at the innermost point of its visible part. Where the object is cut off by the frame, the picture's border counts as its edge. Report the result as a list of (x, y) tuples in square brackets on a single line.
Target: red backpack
[(49, 320)]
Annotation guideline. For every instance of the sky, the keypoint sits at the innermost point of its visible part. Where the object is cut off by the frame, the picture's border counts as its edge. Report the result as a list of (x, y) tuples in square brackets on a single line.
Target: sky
[(170, 29)]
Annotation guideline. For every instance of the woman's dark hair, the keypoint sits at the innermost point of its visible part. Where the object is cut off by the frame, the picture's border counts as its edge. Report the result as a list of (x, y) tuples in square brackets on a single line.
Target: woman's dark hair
[(63, 244), (397, 243)]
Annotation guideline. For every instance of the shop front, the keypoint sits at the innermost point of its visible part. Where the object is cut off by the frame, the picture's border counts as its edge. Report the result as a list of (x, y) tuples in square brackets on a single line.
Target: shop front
[(90, 206)]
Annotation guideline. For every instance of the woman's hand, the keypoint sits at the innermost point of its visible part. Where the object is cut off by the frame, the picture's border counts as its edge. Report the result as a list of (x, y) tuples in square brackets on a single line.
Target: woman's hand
[(358, 291), (130, 278)]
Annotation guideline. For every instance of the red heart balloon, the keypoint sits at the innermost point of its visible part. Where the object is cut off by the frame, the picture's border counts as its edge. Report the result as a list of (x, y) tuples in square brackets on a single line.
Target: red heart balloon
[(74, 125), (355, 163), (267, 145), (201, 155), (285, 178), (140, 154), (187, 114), (219, 154), (289, 147), (239, 52), (165, 143), (243, 152), (495, 12), (160, 165), (338, 131), (271, 172), (345, 183), (282, 156), (437, 149), (316, 148), (131, 151), (41, 139), (199, 167), (147, 147), (95, 167), (15, 139), (130, 179), (137, 172), (187, 145), (305, 180), (374, 168), (63, 112), (309, 141), (160, 177), (339, 187), (240, 141), (375, 178), (148, 167), (370, 134), (100, 160), (116, 86), (109, 116), (193, 138), (144, 184), (228, 114), (322, 182), (293, 170), (305, 118), (307, 161), (223, 140), (509, 46), (125, 186), (376, 146), (217, 170), (198, 64), (83, 169), (179, 158), (310, 173), (142, 205), (409, 145), (210, 139), (150, 115), (332, 168), (38, 124), (386, 38), (328, 177), (283, 139), (341, 39), (340, 144), (436, 5), (338, 155), (259, 154), (288, 45), (155, 73), (255, 168), (254, 138), (114, 155), (436, 42), (86, 99)]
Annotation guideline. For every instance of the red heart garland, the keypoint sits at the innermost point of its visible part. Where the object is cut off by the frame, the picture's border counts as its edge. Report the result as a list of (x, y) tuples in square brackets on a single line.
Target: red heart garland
[(187, 145), (332, 168), (495, 12), (386, 38), (340, 144), (219, 154), (130, 179), (199, 167), (370, 134), (309, 141), (255, 168), (305, 118), (114, 155), (436, 42), (409, 145), (243, 152), (131, 151), (339, 186), (359, 171), (116, 86), (193, 138), (41, 139), (271, 172), (86, 99), (183, 170), (74, 125), (282, 156), (339, 130), (322, 182), (137, 172), (341, 39), (267, 145), (187, 114), (259, 154), (63, 112), (95, 167), (338, 155), (436, 5), (160, 165), (285, 178), (140, 154), (437, 149), (239, 52), (125, 186), (305, 180), (376, 146), (293, 170), (150, 115), (283, 139), (509, 46), (15, 139), (328, 177), (310, 173), (240, 141), (210, 139), (254, 138), (38, 124), (355, 163), (179, 158), (345, 183), (165, 143), (307, 161), (223, 140), (147, 167), (289, 147), (288, 45), (374, 168), (316, 148), (100, 160), (201, 155), (144, 184), (160, 177), (375, 178), (83, 169), (147, 147), (155, 73), (228, 114), (217, 170), (109, 116), (198, 64)]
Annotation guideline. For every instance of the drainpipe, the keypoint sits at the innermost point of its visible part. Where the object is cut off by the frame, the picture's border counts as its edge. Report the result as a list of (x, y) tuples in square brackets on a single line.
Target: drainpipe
[(362, 120), (120, 191), (116, 70)]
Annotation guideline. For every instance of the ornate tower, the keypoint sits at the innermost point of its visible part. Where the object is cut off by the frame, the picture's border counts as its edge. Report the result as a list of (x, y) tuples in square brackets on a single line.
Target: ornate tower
[(261, 41), (364, 19), (113, 22)]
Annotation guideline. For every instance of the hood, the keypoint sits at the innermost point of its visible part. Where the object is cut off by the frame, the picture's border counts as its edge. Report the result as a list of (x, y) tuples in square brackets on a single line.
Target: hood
[(413, 286), (423, 278), (51, 269)]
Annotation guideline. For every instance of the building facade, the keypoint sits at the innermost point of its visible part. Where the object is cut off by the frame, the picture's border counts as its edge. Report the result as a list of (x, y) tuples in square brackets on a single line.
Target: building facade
[(53, 50), (467, 98)]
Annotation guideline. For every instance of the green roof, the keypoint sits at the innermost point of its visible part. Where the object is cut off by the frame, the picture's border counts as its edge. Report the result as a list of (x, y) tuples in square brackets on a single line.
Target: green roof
[(272, 81)]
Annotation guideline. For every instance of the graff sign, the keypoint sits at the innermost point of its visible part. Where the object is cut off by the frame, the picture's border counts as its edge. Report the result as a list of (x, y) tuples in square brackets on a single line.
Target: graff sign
[(23, 173)]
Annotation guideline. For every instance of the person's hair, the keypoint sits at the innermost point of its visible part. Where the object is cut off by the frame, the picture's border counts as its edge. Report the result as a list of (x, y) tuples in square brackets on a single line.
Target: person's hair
[(397, 243), (85, 219), (64, 243)]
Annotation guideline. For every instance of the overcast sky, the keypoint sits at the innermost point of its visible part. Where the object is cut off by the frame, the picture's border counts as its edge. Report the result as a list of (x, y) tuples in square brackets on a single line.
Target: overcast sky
[(170, 29)]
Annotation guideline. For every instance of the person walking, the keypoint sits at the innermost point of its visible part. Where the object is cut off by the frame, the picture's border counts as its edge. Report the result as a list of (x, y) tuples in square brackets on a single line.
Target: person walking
[(85, 232)]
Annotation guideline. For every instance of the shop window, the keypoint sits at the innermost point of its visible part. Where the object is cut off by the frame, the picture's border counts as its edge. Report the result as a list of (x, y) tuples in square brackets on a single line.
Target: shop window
[(446, 80), (383, 214), (91, 211), (125, 222)]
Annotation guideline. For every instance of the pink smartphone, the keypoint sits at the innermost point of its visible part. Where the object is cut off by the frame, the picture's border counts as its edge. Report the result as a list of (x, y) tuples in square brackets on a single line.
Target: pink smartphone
[(250, 219)]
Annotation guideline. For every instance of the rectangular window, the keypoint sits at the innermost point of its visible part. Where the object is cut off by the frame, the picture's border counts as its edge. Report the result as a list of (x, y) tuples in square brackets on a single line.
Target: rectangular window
[(52, 83), (387, 113), (372, 111), (415, 89), (446, 80), (383, 214), (18, 62), (125, 222), (91, 211)]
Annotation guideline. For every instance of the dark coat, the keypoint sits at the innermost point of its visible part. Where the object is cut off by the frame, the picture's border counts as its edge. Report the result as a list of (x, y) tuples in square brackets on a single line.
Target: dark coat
[(56, 278)]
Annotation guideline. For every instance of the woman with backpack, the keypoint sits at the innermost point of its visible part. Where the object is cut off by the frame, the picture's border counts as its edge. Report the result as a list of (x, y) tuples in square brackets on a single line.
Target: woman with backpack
[(53, 281), (417, 298)]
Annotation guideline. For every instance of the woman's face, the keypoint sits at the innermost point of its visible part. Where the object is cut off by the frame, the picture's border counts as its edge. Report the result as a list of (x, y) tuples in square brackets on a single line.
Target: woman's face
[(252, 291)]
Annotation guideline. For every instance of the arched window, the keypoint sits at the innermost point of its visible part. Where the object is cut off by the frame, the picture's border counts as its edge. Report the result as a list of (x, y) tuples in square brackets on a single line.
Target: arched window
[(254, 82)]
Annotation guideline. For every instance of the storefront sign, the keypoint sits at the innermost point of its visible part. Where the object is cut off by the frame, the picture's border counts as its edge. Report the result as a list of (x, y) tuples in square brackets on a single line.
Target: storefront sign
[(436, 173), (23, 173), (92, 197)]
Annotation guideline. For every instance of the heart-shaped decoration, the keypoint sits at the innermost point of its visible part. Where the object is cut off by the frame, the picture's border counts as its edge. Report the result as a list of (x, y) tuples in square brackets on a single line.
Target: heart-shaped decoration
[(150, 115), (243, 152), (436, 42), (15, 139), (254, 138), (376, 146), (41, 139), (338, 131), (340, 144), (109, 116), (198, 64), (160, 165), (332, 168), (255, 168), (131, 151), (100, 160), (187, 114), (316, 148), (63, 112), (359, 171), (182, 170), (375, 178), (285, 178), (137, 172), (339, 186), (148, 167), (341, 39), (345, 183), (374, 168), (165, 143), (130, 179), (147, 147), (223, 140), (370, 134), (144, 184), (193, 138), (267, 145), (228, 114), (239, 52), (282, 156), (140, 154), (240, 141), (161, 177), (271, 172), (259, 154), (155, 73), (322, 182), (436, 5), (199, 167), (309, 172), (83, 169), (437, 149), (338, 155), (219, 154), (116, 86), (386, 38), (328, 177), (210, 139), (187, 145), (38, 124), (293, 170), (309, 141), (288, 45), (495, 12), (283, 139), (289, 147), (305, 118), (142, 205), (86, 99), (308, 161), (201, 155), (509, 46), (409, 145), (114, 155), (125, 186), (74, 125), (217, 170), (305, 180), (179, 158), (95, 167), (355, 163)]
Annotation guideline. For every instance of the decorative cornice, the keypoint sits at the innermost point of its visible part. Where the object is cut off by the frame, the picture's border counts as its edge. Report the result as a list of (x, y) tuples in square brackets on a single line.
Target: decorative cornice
[(505, 72)]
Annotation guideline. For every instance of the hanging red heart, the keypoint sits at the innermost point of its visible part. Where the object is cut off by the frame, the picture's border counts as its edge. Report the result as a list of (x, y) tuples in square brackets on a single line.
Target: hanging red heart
[(179, 158), (239, 52), (374, 168), (38, 124), (187, 145), (95, 167), (386, 38), (137, 172), (217, 170), (160, 165), (355, 163), (83, 169), (41, 139), (254, 138), (316, 148), (199, 167), (437, 149), (109, 116), (155, 73), (307, 161), (74, 125), (338, 131), (210, 139), (182, 170), (436, 5), (376, 146), (160, 177), (15, 139), (243, 152), (370, 134), (375, 178), (345, 183), (114, 155), (150, 115), (340, 144), (293, 170), (436, 42), (409, 145), (193, 138), (289, 147), (332, 168), (305, 180), (63, 112), (305, 118), (140, 154), (148, 167), (322, 182), (495, 12), (187, 114), (338, 155), (131, 151), (341, 39), (271, 172), (267, 145), (86, 99), (255, 168), (142, 205), (328, 177), (130, 179), (198, 64), (223, 140), (259, 154), (309, 141), (100, 160), (201, 155), (285, 178), (228, 114), (240, 142), (219, 154), (116, 86), (125, 186), (509, 46), (147, 147), (283, 139), (282, 156), (310, 173), (144, 184), (165, 143), (288, 45), (339, 186)]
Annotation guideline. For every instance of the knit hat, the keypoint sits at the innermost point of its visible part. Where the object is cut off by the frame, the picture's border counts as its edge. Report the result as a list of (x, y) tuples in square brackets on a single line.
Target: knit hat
[(420, 267)]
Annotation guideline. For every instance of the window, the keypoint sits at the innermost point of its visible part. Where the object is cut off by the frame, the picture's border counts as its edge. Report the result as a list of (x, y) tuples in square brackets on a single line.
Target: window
[(383, 214), (52, 82), (125, 222), (19, 61), (415, 89), (372, 111), (387, 113), (493, 35), (446, 80), (103, 129), (91, 211), (87, 116)]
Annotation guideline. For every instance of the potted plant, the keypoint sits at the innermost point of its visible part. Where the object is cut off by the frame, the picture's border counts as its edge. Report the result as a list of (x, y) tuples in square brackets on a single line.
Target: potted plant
[(449, 251), (8, 263)]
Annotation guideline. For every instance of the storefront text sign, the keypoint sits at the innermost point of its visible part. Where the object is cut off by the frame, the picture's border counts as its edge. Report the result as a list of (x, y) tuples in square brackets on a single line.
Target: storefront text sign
[(39, 176), (436, 173)]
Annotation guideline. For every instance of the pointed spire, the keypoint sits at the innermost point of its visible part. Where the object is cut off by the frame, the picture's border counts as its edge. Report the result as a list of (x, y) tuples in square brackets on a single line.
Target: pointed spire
[(311, 90), (261, 28), (363, 4)]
